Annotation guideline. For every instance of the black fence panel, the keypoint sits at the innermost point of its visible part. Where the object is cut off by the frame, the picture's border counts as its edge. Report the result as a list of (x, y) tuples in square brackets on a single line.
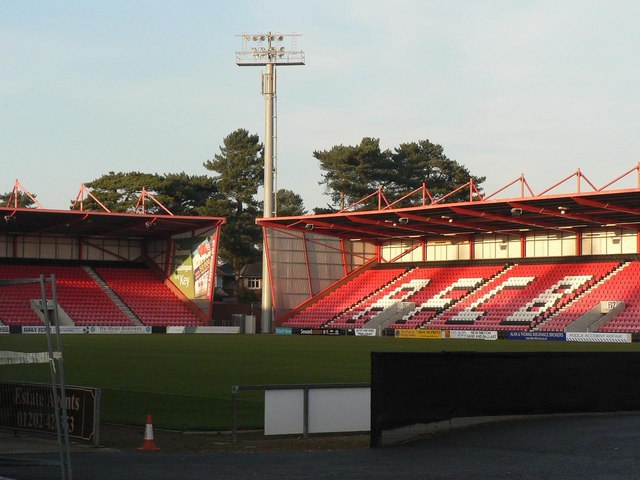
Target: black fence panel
[(422, 388)]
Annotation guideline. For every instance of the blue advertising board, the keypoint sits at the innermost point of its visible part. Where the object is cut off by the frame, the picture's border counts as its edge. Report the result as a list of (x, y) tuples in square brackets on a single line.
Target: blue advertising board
[(544, 336), (284, 331)]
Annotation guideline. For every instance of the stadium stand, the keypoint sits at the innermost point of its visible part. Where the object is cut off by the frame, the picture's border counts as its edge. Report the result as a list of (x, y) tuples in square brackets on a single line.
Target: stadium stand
[(117, 297), (148, 297), (522, 296), (527, 296), (620, 286), (15, 300), (440, 286), (80, 297), (344, 298)]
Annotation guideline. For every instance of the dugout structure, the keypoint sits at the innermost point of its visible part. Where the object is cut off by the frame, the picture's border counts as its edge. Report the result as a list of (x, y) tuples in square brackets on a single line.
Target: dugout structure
[(310, 255)]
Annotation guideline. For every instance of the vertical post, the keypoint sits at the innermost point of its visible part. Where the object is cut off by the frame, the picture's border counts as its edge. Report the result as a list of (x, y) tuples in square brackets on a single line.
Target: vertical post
[(268, 55), (345, 267), (578, 178), (63, 384), (54, 379), (269, 93), (305, 412), (579, 244), (234, 414), (306, 261), (96, 418)]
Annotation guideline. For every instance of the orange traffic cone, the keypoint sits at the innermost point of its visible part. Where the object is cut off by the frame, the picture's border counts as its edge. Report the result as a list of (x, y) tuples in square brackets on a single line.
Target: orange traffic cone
[(148, 445)]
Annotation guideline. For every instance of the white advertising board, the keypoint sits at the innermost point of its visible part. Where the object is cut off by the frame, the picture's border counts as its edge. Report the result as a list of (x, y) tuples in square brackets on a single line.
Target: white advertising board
[(329, 410), (473, 334), (41, 329), (339, 410), (366, 332), (598, 337), (283, 412)]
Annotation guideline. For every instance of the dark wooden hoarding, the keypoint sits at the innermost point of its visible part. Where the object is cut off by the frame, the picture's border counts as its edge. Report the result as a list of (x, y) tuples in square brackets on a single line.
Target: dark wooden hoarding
[(29, 407)]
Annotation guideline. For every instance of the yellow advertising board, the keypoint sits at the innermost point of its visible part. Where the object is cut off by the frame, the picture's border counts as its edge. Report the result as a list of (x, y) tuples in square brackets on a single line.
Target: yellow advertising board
[(192, 266), (413, 333), (182, 276)]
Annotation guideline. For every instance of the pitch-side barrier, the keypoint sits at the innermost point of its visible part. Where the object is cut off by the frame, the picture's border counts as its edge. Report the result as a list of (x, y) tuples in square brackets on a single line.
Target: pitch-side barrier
[(434, 334)]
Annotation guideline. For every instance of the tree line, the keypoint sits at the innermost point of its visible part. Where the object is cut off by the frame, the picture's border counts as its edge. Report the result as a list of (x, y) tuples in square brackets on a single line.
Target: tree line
[(349, 173)]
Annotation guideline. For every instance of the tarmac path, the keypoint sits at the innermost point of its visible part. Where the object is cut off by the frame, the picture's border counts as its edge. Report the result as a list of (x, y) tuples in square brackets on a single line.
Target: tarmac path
[(576, 447)]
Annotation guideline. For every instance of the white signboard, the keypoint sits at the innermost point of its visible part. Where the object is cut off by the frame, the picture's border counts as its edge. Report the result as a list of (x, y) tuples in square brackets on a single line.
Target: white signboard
[(366, 332), (329, 410), (41, 329), (598, 337), (473, 334)]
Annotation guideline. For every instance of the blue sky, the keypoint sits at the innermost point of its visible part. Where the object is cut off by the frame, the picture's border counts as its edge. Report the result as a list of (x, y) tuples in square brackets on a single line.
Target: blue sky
[(540, 87)]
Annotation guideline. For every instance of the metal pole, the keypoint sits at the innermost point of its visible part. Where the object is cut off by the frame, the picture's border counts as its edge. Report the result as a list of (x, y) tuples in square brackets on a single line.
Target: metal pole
[(269, 93), (268, 54), (63, 385), (234, 414), (54, 383), (96, 418), (305, 412)]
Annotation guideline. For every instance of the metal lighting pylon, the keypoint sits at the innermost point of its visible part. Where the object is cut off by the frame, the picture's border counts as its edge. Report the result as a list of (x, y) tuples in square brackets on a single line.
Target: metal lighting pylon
[(266, 49)]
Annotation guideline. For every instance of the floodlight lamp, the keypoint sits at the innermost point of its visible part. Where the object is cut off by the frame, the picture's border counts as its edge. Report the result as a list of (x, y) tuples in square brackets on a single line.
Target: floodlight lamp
[(254, 38), (309, 226), (262, 38), (403, 220), (516, 211), (280, 38)]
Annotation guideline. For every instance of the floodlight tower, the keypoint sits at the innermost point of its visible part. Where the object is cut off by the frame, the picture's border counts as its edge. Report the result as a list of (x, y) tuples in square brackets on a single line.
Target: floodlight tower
[(267, 49)]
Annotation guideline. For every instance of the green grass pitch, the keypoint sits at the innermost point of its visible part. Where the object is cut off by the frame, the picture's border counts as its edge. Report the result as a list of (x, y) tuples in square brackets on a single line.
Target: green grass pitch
[(185, 381)]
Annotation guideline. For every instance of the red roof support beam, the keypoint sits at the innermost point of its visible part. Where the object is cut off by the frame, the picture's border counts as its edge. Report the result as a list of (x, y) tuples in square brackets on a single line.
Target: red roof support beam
[(80, 198), (523, 184), (559, 213), (423, 189), (579, 176), (341, 230), (491, 216), (15, 195), (606, 206), (395, 225), (634, 169), (441, 221)]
